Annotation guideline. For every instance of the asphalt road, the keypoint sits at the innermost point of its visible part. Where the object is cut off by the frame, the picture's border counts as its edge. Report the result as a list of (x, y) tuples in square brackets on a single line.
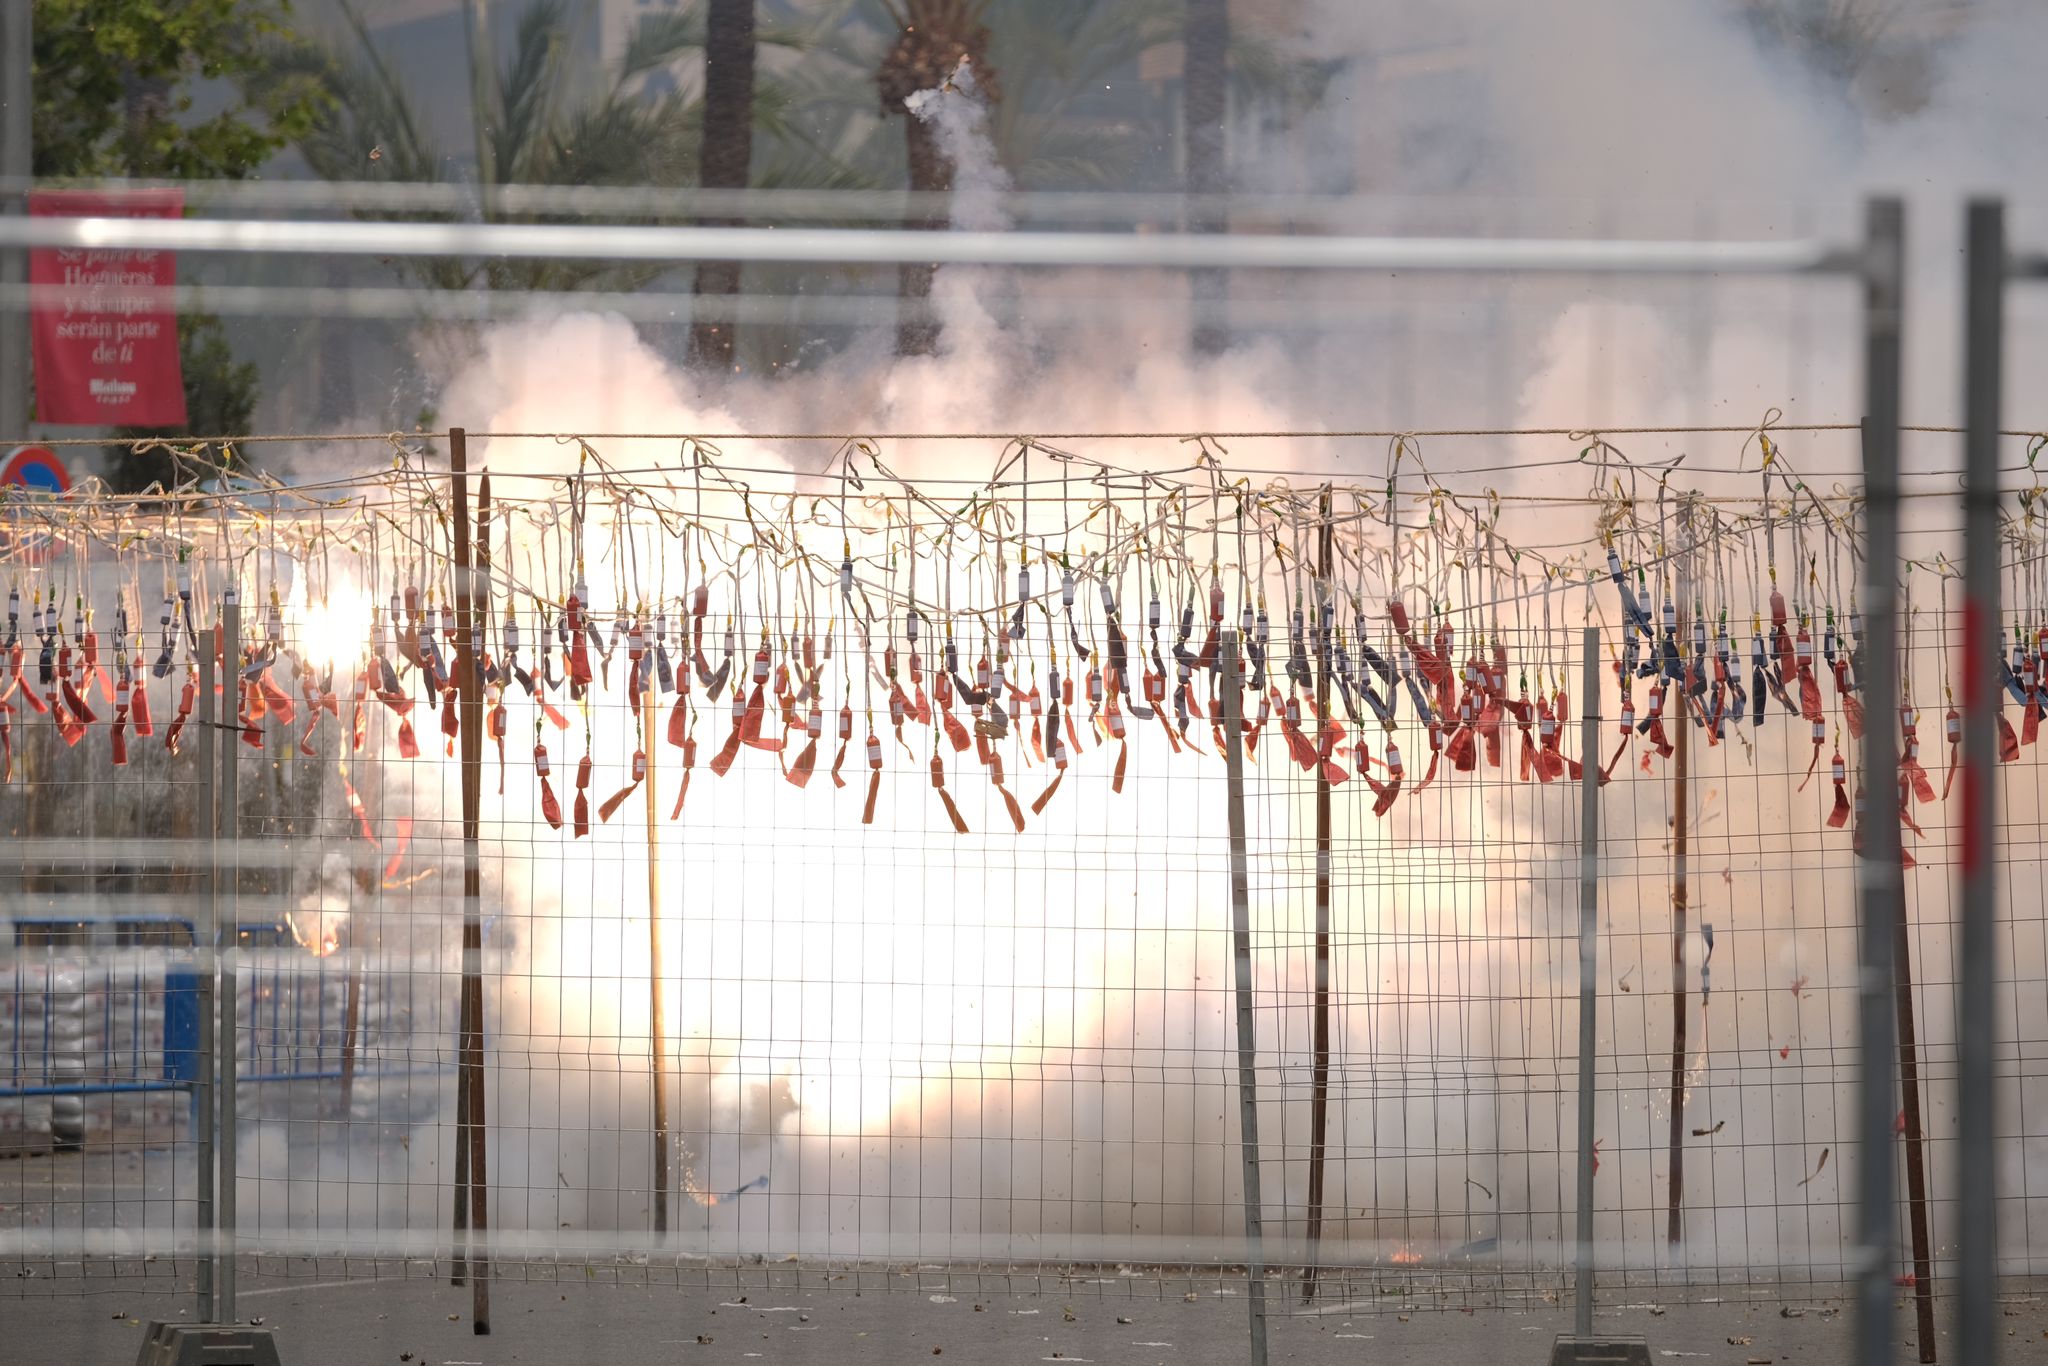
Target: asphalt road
[(324, 1313), (418, 1322)]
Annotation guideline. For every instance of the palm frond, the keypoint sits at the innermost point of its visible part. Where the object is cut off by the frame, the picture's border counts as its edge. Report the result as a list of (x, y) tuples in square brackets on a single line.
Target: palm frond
[(528, 88), (659, 39)]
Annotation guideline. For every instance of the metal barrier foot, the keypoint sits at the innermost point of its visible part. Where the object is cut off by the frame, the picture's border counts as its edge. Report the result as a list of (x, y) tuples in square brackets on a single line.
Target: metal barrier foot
[(1571, 1350), (206, 1344)]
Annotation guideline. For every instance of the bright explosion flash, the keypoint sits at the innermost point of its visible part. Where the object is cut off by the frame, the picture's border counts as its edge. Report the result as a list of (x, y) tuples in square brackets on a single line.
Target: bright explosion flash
[(334, 630)]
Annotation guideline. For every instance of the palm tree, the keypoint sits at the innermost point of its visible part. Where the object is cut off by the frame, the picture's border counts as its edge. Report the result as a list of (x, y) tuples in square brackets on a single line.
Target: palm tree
[(537, 126), (1056, 56)]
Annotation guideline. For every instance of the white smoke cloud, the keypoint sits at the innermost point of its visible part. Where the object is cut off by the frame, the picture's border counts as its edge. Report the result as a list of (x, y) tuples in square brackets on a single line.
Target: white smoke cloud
[(1599, 118)]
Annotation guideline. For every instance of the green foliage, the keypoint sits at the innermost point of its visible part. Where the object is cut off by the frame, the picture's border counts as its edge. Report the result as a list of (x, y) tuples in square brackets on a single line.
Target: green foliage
[(541, 127), (114, 88), (115, 97)]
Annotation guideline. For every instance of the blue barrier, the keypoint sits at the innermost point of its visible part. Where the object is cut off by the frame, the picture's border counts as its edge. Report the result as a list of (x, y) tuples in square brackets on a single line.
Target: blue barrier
[(130, 1025), (181, 1023)]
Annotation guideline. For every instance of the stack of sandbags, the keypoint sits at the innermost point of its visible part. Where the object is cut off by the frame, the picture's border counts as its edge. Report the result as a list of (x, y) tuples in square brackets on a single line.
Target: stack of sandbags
[(68, 1049), (24, 1057)]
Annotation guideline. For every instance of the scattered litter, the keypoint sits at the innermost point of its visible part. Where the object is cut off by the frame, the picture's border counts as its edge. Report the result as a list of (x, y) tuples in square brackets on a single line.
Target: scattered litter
[(945, 1299), (1668, 1352), (1023, 1311), (1740, 1341), (1786, 1311), (1191, 1297), (1360, 1337), (1120, 1318)]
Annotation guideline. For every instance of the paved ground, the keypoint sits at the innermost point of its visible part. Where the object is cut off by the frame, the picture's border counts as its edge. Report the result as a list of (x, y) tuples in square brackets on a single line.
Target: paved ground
[(326, 1315), (424, 1323)]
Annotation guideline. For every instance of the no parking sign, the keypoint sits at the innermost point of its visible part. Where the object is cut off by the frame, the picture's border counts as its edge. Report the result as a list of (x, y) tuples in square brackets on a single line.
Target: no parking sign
[(37, 469)]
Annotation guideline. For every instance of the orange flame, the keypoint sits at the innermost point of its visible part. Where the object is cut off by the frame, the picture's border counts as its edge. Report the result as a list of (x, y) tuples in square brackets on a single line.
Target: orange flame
[(1405, 1256), (328, 938)]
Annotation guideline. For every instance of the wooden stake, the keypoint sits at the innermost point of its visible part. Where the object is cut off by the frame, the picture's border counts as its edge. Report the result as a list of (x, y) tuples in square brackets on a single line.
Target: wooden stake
[(471, 1129), (1674, 1231), (1916, 1141), (1319, 1076)]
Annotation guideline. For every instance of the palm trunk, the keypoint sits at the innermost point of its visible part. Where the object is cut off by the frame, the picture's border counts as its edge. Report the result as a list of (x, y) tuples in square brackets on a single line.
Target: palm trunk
[(1205, 92), (916, 333), (727, 156), (483, 93)]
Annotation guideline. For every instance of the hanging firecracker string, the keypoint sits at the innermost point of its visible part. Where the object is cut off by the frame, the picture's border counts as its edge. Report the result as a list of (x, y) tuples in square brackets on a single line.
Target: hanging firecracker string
[(1422, 621)]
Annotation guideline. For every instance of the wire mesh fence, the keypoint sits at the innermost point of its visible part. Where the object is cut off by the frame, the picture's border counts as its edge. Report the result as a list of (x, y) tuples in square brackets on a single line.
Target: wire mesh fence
[(853, 880)]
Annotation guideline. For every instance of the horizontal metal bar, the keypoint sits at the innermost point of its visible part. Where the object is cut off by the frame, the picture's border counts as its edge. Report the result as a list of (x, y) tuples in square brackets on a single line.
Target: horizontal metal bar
[(812, 310), (879, 246), (1055, 207), (101, 1088), (2032, 265), (98, 1088)]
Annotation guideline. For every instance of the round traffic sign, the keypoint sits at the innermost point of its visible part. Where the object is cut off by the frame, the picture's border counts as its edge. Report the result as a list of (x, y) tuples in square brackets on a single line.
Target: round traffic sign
[(36, 468)]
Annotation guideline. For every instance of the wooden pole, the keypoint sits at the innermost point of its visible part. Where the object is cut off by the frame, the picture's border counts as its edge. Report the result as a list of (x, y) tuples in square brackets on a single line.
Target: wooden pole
[(351, 1022), (470, 712), (1916, 1141), (1319, 1077), (1231, 675), (1680, 717), (657, 1027)]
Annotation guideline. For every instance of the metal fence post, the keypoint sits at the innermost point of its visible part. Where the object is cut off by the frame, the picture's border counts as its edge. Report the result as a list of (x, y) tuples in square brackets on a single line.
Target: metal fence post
[(205, 1115), (1247, 1040), (1977, 1177), (1878, 869), (1589, 955), (230, 822)]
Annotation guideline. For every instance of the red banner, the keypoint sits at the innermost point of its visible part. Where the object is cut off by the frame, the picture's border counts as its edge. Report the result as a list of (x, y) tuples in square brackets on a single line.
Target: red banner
[(106, 351)]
